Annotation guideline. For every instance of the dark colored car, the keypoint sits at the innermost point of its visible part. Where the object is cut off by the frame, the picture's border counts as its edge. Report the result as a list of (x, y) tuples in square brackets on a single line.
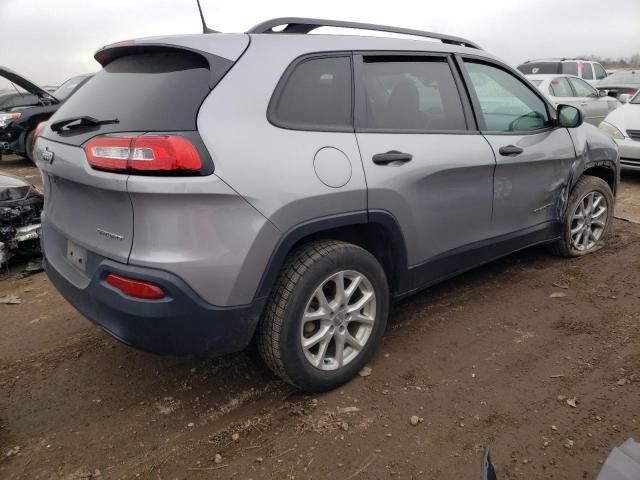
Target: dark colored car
[(28, 105), (621, 83), (18, 98)]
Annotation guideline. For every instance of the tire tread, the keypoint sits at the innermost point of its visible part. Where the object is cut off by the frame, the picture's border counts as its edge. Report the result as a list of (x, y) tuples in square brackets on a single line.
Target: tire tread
[(562, 248), (270, 327)]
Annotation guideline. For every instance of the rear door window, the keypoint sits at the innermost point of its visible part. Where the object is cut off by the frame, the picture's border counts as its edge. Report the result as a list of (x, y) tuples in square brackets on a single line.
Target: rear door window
[(159, 91), (415, 94), (570, 68), (506, 103), (315, 95), (559, 87)]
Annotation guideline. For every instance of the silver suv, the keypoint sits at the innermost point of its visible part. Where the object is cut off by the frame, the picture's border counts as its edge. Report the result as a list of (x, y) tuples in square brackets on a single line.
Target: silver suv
[(591, 72), (206, 190)]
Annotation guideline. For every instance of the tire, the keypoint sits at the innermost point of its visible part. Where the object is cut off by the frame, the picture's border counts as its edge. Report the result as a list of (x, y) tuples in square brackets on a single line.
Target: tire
[(316, 266), (28, 145), (586, 186)]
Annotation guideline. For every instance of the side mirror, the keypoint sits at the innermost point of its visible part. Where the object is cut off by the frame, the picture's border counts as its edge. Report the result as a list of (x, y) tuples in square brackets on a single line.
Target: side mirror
[(603, 93), (569, 116), (624, 98)]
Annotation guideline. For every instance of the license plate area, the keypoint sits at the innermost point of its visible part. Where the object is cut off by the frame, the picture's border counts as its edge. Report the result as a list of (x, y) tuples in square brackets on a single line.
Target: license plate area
[(77, 256)]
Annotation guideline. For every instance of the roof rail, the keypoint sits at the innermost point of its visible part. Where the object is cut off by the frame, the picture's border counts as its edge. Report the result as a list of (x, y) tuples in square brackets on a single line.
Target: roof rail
[(306, 25)]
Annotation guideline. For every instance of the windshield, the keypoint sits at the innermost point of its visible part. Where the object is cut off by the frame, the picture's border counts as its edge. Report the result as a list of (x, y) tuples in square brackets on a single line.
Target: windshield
[(12, 95), (68, 87), (636, 98), (632, 76)]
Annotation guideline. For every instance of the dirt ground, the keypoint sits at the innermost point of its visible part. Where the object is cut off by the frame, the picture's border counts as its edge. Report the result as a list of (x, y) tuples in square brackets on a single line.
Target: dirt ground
[(550, 382)]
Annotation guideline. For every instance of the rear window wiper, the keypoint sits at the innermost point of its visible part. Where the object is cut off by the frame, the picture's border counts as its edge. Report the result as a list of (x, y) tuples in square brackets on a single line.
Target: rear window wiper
[(78, 122)]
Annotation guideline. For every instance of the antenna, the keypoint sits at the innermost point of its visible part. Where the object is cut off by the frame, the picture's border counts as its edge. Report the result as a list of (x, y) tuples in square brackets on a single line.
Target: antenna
[(205, 29)]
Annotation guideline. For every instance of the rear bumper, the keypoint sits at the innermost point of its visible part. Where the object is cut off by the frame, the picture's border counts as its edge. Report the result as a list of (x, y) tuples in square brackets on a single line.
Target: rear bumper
[(180, 324)]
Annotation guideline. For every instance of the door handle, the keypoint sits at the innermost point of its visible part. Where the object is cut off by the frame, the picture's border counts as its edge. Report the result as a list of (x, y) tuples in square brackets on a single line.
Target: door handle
[(510, 151), (584, 104), (392, 156)]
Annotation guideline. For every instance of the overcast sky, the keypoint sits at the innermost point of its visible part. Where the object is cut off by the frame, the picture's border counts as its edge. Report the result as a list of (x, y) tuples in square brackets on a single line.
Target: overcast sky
[(51, 40)]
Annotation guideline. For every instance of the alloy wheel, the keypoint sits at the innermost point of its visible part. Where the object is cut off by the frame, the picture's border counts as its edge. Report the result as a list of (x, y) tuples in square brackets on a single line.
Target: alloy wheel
[(338, 320), (589, 221)]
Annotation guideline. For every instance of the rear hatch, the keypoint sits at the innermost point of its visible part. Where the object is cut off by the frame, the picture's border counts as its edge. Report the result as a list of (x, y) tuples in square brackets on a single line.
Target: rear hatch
[(146, 88)]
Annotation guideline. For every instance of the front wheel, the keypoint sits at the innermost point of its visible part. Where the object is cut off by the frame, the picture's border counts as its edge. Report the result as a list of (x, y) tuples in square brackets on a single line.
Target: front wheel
[(588, 219), (326, 315)]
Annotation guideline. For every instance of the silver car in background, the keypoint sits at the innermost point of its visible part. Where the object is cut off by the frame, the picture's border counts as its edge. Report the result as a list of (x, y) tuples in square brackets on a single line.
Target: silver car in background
[(623, 126), (589, 71), (571, 90)]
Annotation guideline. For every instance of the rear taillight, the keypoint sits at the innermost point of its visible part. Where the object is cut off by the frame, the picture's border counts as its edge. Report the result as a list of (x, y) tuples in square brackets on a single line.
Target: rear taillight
[(143, 153), (631, 92), (38, 131), (135, 288)]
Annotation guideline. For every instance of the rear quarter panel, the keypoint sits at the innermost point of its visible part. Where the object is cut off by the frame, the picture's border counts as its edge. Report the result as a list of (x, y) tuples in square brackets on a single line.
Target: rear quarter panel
[(273, 167)]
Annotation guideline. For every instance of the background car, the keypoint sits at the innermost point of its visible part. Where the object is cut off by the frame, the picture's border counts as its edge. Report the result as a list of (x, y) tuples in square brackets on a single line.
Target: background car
[(567, 89), (623, 125), (28, 106), (591, 72), (622, 82), (10, 99)]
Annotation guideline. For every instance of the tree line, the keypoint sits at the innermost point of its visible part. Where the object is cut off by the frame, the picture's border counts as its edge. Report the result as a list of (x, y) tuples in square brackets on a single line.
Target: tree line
[(632, 61)]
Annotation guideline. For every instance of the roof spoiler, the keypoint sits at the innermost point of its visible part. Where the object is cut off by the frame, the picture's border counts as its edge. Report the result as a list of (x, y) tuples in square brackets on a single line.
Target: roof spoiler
[(306, 25), (218, 66)]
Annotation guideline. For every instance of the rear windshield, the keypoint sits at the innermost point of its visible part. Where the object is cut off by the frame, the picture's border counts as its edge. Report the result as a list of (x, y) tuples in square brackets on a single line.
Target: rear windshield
[(534, 68), (159, 91)]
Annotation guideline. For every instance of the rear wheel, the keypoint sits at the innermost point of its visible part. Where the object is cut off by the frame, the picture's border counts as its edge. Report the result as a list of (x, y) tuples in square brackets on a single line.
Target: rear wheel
[(28, 145), (326, 315), (588, 218)]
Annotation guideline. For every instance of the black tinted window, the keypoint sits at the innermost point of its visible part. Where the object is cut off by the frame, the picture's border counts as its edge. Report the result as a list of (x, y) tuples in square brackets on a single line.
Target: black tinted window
[(145, 92), (570, 68), (415, 93), (533, 68), (316, 95)]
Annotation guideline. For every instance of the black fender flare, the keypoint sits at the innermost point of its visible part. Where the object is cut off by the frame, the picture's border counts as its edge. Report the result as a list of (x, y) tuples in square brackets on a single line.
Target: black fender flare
[(381, 218), (578, 170)]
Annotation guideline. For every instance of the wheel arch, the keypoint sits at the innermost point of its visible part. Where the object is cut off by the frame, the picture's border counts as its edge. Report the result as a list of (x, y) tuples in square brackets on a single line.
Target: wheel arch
[(377, 232), (606, 170)]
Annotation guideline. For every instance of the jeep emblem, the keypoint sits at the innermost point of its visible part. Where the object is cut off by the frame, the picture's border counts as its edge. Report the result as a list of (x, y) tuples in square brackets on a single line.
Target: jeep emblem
[(47, 156)]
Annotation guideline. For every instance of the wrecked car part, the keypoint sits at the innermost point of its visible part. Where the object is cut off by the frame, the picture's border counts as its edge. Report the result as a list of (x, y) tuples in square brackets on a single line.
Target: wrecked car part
[(20, 209)]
